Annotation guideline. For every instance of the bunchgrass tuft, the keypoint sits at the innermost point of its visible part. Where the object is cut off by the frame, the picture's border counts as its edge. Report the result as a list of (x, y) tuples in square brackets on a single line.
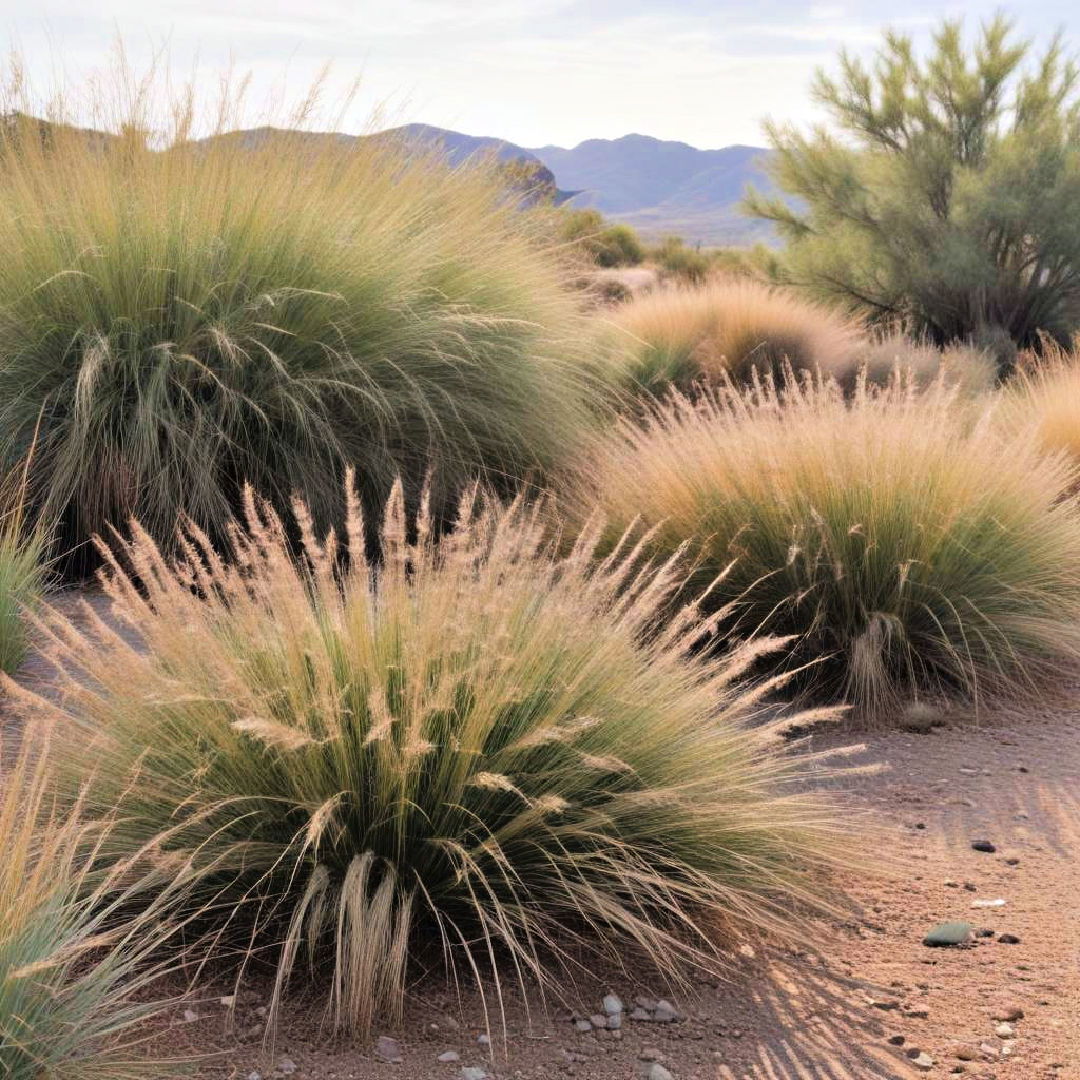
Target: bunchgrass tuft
[(910, 547), (181, 315), (1044, 400), (22, 579), (476, 753), (77, 968), (728, 329)]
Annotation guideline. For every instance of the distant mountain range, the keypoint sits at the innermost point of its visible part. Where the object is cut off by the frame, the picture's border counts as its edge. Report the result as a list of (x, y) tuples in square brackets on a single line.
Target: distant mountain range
[(659, 186), (656, 185)]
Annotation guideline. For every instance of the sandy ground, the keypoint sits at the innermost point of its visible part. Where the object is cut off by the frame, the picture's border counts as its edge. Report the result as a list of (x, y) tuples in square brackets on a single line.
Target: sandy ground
[(852, 1005)]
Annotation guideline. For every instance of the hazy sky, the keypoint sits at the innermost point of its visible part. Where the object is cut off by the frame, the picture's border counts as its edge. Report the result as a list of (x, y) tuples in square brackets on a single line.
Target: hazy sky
[(532, 71)]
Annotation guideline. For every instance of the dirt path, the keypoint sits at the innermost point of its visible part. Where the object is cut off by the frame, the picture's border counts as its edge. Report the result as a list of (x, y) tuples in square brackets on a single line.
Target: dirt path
[(826, 1013)]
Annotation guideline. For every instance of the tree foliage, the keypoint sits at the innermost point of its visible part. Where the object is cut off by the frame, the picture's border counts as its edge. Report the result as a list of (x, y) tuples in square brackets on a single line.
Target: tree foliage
[(946, 193)]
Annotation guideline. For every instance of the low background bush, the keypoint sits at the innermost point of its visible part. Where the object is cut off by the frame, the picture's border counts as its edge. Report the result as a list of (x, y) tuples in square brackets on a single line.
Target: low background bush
[(597, 241), (911, 548), (494, 755)]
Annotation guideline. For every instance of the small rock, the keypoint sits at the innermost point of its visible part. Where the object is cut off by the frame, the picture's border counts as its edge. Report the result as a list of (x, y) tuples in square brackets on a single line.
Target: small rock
[(988, 903), (658, 1072), (598, 1021), (918, 1013), (989, 1051), (387, 1049), (897, 1040), (985, 932), (614, 1021), (646, 1003), (747, 952), (983, 845), (640, 1015), (286, 1066), (923, 1062), (190, 1016), (1012, 862), (448, 1057), (1004, 1031), (612, 1005), (253, 1075), (483, 1039), (947, 934), (1009, 1012), (665, 1012), (967, 1052), (1008, 939), (228, 1001), (583, 1026), (473, 1072)]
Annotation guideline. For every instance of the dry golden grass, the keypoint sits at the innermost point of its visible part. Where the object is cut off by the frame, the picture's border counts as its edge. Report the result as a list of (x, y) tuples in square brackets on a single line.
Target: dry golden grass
[(973, 371), (1045, 399), (910, 546), (474, 746), (728, 328)]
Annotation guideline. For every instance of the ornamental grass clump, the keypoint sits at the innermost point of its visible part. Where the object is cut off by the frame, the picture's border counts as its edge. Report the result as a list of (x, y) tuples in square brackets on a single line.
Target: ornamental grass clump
[(479, 753), (728, 329), (79, 975), (910, 546), (181, 315), (1044, 400)]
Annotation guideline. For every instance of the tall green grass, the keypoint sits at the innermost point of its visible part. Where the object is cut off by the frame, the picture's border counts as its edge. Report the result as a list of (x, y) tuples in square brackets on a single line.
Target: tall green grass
[(22, 579), (910, 546), (184, 315), (477, 754)]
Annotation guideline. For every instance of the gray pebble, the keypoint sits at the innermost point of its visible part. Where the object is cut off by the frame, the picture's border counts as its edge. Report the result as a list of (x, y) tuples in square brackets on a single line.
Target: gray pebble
[(387, 1049), (665, 1012), (612, 1005), (449, 1057)]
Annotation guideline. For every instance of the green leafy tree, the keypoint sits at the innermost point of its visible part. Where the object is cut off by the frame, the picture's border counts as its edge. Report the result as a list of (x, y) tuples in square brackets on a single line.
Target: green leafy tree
[(946, 193)]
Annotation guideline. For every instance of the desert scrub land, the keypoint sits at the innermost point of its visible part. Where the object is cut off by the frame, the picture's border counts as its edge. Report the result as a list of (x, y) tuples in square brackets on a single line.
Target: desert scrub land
[(412, 665)]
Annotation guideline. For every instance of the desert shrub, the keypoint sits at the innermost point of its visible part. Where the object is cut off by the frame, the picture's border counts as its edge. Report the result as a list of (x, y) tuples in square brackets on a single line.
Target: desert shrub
[(921, 364), (688, 265), (76, 972), (488, 751), (943, 191), (910, 547), (726, 330), (186, 315), (600, 243)]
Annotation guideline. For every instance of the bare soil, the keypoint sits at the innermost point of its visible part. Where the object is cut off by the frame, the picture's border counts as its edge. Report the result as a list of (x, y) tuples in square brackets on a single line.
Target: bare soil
[(836, 1009)]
